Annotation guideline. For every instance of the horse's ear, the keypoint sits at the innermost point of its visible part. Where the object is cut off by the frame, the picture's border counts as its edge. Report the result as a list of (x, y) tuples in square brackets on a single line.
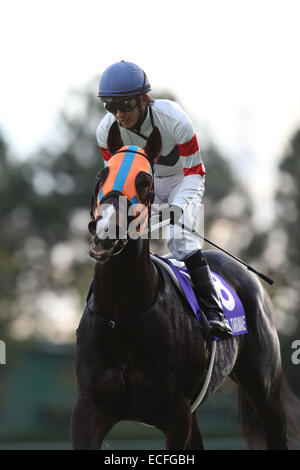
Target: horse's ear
[(153, 146), (114, 139)]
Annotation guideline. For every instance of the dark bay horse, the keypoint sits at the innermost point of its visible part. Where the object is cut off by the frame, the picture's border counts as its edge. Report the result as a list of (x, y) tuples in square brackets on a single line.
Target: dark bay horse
[(140, 351)]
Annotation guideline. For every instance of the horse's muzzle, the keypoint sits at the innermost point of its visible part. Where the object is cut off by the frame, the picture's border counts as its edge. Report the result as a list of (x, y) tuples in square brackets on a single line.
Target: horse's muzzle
[(108, 235), (101, 250), (106, 243)]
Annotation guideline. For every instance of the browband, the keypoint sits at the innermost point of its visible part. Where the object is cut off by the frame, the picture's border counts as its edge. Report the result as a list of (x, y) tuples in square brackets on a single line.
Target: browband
[(131, 151)]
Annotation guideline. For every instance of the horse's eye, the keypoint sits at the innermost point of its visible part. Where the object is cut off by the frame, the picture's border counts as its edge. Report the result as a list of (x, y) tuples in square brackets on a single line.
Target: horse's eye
[(102, 175), (142, 185)]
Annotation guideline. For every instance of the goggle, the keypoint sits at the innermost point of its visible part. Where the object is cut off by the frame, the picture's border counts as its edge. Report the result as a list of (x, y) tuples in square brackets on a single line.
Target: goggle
[(124, 106)]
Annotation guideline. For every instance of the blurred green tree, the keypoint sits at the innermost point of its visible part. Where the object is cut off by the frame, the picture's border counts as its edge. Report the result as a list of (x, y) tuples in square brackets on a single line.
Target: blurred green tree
[(44, 214), (285, 259), (227, 206), (288, 211)]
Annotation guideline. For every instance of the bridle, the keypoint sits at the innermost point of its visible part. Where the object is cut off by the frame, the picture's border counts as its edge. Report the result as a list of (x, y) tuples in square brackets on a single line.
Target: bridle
[(96, 201)]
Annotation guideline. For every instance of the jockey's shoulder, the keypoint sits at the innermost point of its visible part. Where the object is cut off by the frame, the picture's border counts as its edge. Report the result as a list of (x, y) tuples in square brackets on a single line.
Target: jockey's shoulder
[(169, 110), (166, 106), (106, 122)]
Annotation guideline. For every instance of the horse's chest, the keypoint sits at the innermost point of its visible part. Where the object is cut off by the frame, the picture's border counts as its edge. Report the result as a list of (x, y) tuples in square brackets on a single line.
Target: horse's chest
[(136, 381), (143, 388)]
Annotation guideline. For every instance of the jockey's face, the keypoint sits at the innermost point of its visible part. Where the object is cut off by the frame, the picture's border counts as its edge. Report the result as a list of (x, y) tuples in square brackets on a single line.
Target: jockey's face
[(128, 118), (128, 109)]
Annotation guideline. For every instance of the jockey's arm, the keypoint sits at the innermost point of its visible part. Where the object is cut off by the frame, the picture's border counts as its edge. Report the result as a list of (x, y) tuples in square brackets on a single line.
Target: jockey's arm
[(101, 136), (193, 183)]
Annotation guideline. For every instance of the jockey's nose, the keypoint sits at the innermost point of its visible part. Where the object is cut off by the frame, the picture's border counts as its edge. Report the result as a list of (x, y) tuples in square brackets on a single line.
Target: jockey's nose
[(120, 114)]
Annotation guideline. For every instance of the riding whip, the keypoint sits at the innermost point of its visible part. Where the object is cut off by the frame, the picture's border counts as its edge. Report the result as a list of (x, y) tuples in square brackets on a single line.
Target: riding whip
[(171, 220)]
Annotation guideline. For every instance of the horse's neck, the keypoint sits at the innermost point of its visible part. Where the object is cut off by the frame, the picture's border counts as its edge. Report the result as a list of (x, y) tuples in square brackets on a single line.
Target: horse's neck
[(127, 283)]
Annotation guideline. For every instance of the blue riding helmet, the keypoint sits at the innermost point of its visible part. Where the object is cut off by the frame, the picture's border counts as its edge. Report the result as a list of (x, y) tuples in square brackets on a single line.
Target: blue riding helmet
[(122, 79)]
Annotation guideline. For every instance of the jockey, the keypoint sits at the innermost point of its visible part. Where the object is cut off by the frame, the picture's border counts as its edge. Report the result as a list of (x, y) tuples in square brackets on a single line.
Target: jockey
[(179, 174)]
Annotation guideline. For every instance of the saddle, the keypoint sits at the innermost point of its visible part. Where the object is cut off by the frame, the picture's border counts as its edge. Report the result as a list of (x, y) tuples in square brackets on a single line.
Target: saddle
[(232, 306)]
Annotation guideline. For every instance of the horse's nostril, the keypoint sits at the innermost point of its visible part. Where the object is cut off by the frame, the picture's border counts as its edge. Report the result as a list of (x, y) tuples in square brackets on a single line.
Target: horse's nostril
[(92, 227)]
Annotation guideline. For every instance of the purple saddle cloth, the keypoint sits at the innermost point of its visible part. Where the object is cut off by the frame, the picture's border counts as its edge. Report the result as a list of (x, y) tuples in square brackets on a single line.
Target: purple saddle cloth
[(232, 306)]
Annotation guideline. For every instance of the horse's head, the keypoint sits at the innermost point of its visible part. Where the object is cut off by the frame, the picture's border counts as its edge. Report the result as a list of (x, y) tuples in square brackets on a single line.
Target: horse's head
[(120, 206)]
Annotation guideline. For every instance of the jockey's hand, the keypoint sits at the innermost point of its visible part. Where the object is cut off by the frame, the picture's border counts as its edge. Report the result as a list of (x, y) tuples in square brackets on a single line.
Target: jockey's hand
[(175, 213)]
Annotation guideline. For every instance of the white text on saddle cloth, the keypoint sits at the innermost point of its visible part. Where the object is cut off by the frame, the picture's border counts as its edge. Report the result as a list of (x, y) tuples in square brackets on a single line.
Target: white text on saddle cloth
[(232, 306)]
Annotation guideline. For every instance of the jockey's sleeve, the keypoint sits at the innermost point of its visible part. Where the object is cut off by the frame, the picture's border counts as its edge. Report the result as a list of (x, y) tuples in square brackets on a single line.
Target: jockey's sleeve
[(193, 183), (187, 144), (101, 135)]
